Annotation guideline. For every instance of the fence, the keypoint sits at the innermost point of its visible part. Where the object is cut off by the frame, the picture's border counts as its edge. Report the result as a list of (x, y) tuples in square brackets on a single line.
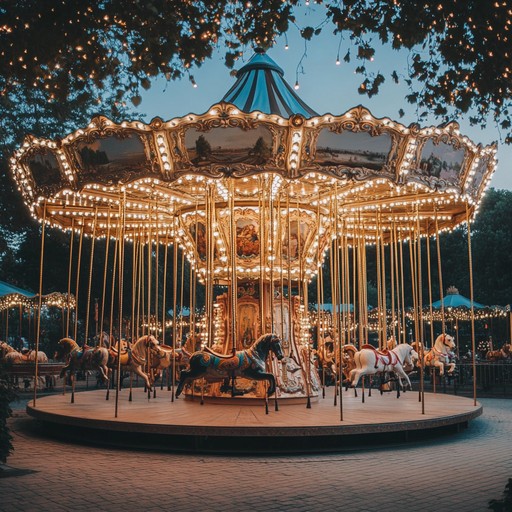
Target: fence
[(492, 379)]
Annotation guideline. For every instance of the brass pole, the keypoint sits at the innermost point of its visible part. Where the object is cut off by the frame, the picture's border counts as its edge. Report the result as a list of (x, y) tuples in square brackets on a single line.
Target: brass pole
[(472, 309), (107, 248), (87, 319), (232, 254), (122, 219), (78, 278), (38, 332), (70, 268), (440, 273)]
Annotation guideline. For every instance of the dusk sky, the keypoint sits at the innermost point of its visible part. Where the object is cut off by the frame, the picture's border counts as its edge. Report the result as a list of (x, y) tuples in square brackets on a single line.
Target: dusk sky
[(324, 86)]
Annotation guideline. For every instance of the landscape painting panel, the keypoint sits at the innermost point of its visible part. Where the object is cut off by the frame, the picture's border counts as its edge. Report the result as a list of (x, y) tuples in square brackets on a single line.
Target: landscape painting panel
[(441, 161), (479, 174), (352, 149), (45, 169), (110, 156), (233, 145)]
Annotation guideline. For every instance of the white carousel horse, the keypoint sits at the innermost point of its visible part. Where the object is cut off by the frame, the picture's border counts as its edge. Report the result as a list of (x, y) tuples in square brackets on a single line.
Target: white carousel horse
[(441, 354), (10, 355), (370, 361), (136, 357)]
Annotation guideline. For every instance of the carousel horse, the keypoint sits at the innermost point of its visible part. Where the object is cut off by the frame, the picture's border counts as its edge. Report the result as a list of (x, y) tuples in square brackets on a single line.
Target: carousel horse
[(441, 354), (326, 359), (348, 359), (10, 355), (249, 363), (135, 357), (370, 361), (164, 360), (82, 358), (103, 339), (505, 352), (391, 343)]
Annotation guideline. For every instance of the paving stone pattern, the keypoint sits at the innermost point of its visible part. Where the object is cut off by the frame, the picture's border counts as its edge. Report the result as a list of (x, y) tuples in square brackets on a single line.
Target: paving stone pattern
[(459, 473)]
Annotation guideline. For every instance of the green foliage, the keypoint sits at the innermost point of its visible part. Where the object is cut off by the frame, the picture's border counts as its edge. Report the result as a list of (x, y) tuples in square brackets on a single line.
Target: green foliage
[(7, 395), (460, 51), (492, 248), (504, 504)]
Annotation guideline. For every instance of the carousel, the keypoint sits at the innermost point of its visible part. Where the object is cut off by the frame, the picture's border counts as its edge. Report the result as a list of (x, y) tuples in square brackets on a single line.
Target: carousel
[(252, 212)]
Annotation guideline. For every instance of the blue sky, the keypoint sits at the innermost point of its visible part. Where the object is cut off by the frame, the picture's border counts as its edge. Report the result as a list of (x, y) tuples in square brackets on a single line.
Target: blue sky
[(324, 86)]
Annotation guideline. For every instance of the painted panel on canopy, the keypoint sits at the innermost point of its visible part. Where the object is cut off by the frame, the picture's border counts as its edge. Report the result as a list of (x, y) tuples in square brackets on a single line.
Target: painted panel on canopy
[(197, 232), (112, 159), (441, 161), (247, 238), (292, 242), (45, 169), (249, 323), (229, 145), (478, 175), (352, 149)]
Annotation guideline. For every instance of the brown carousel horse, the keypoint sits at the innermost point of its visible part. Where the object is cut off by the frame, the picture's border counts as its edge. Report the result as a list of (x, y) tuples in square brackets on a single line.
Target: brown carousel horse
[(249, 363), (162, 361), (505, 352), (327, 359)]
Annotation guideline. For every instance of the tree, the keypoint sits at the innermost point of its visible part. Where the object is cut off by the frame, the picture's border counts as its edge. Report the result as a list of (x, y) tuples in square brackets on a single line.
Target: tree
[(261, 150), (7, 395), (459, 51), (203, 148), (492, 248)]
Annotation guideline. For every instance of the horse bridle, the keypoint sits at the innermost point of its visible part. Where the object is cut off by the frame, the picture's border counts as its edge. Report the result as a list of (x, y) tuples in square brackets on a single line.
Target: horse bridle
[(444, 342)]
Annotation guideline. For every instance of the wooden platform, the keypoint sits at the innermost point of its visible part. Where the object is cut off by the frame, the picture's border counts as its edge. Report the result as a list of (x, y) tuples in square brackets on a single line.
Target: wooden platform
[(185, 425)]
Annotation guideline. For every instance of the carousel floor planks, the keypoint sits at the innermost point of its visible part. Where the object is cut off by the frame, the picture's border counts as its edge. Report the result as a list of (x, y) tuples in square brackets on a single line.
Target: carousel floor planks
[(186, 425)]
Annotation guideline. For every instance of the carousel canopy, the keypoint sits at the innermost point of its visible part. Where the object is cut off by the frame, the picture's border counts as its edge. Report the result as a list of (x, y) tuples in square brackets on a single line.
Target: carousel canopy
[(340, 308), (453, 299), (260, 86), (7, 289), (259, 182), (54, 299)]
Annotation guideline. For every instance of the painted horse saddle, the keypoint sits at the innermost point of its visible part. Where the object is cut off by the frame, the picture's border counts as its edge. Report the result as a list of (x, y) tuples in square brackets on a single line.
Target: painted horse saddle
[(385, 355)]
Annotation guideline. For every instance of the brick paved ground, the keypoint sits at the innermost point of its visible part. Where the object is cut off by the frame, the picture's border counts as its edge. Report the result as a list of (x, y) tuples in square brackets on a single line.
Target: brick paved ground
[(458, 473)]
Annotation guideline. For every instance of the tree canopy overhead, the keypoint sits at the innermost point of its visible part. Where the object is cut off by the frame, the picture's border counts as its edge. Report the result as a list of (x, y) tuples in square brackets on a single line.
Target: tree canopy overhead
[(459, 50)]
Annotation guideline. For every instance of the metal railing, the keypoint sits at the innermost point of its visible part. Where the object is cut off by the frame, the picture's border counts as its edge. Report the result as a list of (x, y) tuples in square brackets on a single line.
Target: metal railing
[(493, 379)]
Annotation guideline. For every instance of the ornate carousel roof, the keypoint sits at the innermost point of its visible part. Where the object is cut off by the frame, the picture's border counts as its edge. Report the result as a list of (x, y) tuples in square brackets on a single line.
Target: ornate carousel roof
[(262, 155), (260, 86)]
